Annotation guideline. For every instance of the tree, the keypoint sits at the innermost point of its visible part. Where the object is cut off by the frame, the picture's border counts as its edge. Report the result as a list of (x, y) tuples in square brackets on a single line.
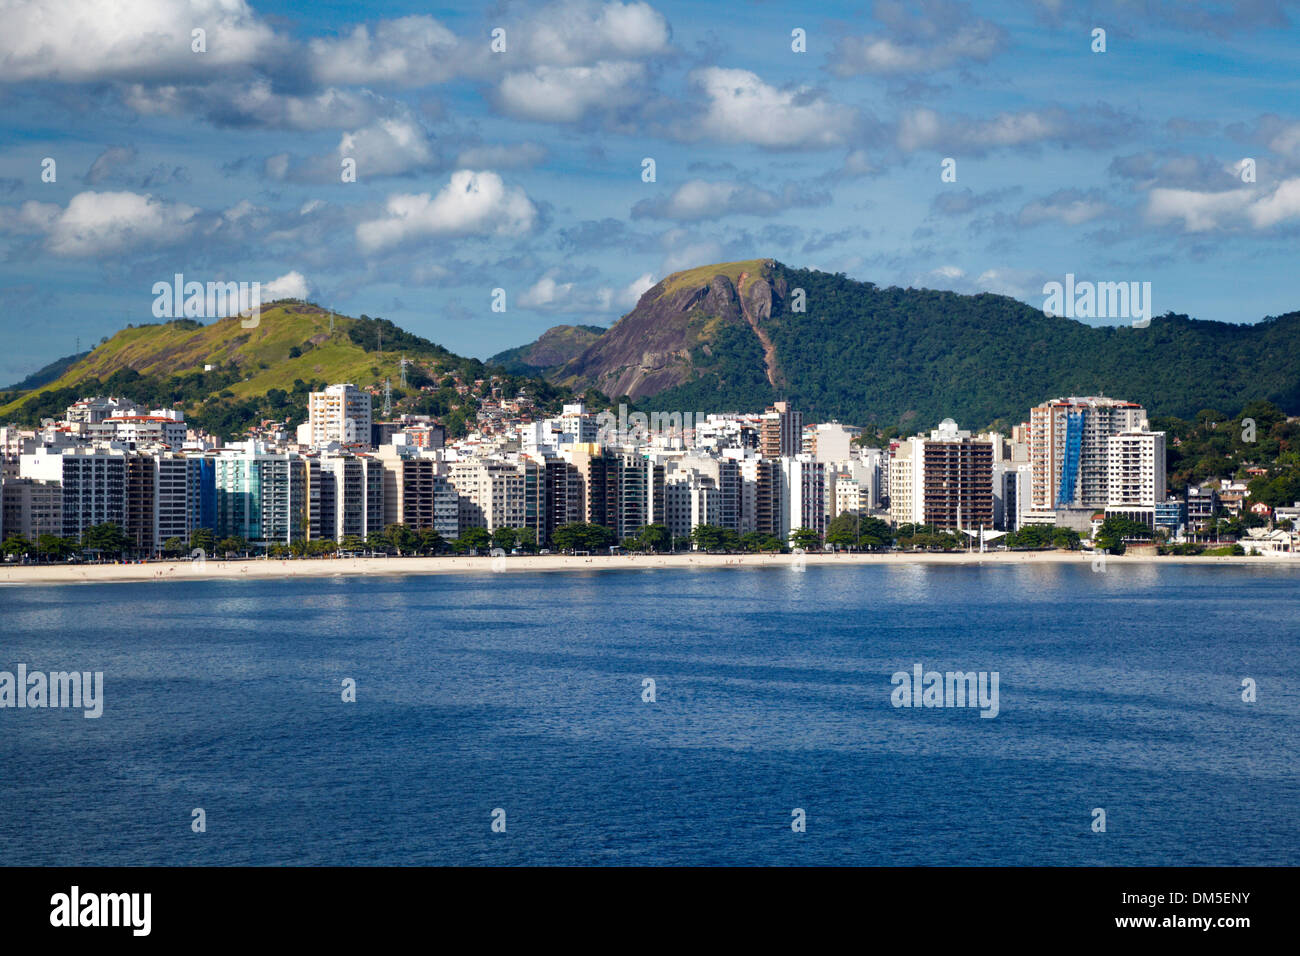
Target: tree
[(353, 542), (106, 538), (474, 539), (1111, 536), (234, 544), (805, 538), (654, 537), (378, 541), (844, 530), (202, 539), (505, 537), (53, 547), (431, 542), (402, 538), (528, 539), (16, 544), (174, 546), (707, 537), (579, 536)]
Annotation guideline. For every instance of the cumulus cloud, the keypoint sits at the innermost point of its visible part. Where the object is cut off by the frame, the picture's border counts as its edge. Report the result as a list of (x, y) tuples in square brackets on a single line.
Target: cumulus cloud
[(471, 204), (406, 52), (700, 199), (549, 295), (1231, 209), (85, 41), (742, 108), (291, 285), (936, 35), (102, 223), (574, 32), (565, 94)]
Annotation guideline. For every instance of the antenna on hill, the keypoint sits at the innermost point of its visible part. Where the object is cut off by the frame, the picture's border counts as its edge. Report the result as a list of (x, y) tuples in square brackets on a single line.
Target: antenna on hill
[(403, 363), (388, 397)]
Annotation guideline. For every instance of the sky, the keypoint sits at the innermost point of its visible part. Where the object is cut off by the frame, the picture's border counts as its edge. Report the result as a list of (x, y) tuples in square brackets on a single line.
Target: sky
[(505, 148)]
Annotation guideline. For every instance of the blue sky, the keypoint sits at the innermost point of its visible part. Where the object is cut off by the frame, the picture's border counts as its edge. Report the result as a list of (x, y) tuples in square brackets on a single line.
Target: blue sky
[(522, 169)]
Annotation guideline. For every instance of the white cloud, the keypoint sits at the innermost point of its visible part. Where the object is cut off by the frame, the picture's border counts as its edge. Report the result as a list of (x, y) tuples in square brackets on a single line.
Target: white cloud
[(1199, 211), (406, 52), (934, 36), (549, 295), (89, 40), (291, 285), (564, 94), (924, 129), (574, 32), (101, 223), (638, 287), (394, 145), (472, 203), (743, 109)]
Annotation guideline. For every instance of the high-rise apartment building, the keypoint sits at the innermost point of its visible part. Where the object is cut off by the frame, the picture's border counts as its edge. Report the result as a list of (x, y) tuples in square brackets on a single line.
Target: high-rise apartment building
[(339, 414), (1135, 464), (780, 431), (1068, 449)]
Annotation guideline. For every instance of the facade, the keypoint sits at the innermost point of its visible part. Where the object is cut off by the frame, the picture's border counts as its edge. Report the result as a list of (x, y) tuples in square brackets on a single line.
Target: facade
[(93, 480), (264, 497), (1135, 474), (1068, 447), (956, 483), (340, 414), (780, 432), (31, 507)]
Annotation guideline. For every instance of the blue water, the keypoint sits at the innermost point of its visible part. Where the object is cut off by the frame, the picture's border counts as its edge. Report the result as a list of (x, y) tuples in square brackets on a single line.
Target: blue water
[(523, 691)]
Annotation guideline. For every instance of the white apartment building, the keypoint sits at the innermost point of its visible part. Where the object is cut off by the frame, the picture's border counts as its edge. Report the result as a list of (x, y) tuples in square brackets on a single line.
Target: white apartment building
[(803, 495), (341, 413), (1135, 465)]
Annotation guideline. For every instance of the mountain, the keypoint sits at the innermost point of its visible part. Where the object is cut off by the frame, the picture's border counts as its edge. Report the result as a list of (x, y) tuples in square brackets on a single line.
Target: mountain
[(727, 337), (227, 377), (47, 374), (554, 347)]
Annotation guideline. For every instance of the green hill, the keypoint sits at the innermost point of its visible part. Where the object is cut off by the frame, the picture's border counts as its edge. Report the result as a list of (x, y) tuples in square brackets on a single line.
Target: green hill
[(726, 337), (227, 377)]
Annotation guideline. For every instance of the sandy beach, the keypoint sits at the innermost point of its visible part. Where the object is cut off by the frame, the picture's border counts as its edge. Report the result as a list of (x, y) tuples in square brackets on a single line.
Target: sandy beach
[(188, 571)]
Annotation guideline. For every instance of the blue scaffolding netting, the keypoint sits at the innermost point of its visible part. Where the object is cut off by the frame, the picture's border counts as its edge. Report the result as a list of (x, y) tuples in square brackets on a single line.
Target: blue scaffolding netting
[(1070, 466)]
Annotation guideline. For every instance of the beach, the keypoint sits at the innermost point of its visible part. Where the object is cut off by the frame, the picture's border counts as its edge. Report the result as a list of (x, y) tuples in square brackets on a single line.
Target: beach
[(329, 567)]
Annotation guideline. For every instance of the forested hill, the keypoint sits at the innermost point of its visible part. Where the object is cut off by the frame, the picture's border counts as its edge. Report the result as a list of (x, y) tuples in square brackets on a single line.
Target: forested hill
[(910, 357)]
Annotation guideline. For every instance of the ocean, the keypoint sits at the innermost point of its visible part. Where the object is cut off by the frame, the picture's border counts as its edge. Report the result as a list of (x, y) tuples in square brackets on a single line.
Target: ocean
[(506, 719)]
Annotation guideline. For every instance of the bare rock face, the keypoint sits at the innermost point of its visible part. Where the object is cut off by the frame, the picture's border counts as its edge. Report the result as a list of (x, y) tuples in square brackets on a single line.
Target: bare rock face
[(649, 349)]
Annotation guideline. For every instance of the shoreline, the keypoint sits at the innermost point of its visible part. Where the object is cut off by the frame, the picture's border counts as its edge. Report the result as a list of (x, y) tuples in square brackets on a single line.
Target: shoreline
[(331, 567)]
